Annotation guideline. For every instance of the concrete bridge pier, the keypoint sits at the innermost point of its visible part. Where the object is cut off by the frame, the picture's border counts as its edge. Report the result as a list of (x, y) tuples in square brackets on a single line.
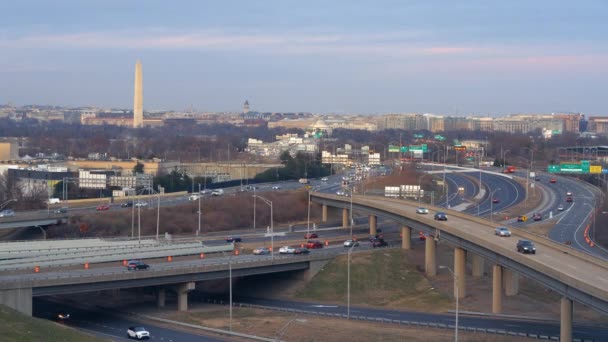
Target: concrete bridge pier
[(324, 213), (344, 218), (160, 297), (18, 299), (510, 282), (460, 262), (373, 220), (182, 295), (477, 265), (565, 324), (496, 289), (430, 257), (406, 237)]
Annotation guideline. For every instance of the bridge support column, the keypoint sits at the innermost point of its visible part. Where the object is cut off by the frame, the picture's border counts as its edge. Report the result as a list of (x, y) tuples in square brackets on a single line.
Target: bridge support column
[(373, 219), (406, 237), (510, 282), (160, 297), (496, 289), (324, 213), (477, 264), (344, 218), (565, 324), (460, 262), (430, 263), (18, 299), (182, 295)]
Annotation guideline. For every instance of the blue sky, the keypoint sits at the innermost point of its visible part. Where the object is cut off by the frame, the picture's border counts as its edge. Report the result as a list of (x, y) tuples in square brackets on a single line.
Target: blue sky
[(452, 57)]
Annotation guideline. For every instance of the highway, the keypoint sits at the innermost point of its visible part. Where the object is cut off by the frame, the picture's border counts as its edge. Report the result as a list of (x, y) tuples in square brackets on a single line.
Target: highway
[(520, 325), (110, 325)]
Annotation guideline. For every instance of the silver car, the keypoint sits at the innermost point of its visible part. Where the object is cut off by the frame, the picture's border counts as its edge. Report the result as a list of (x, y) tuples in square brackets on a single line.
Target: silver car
[(7, 213), (502, 231), (421, 210), (351, 243)]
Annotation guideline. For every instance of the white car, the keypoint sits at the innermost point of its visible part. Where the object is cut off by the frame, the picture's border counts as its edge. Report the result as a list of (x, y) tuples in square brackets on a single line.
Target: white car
[(139, 333), (568, 193), (560, 208), (324, 179), (141, 204), (218, 192), (340, 193), (502, 231), (7, 213), (193, 198), (421, 210), (205, 191), (351, 243), (276, 187), (287, 250)]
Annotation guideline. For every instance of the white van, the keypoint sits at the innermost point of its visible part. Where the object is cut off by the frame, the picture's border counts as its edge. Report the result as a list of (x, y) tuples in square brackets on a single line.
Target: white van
[(54, 200)]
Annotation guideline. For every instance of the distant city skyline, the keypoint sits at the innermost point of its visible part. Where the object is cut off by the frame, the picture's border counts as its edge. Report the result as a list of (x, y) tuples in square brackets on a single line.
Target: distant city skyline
[(453, 58)]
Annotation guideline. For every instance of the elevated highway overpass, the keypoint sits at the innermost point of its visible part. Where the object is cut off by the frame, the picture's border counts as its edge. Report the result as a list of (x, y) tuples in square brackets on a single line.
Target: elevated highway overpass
[(33, 219), (575, 275)]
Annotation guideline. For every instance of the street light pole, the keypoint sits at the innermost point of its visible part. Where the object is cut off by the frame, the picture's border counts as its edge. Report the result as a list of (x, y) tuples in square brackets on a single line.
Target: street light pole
[(350, 250), (265, 200), (158, 216), (308, 217), (457, 295), (199, 210), (351, 213), (254, 209)]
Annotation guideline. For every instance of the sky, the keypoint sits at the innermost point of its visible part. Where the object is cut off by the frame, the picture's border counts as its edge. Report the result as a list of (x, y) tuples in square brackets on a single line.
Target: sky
[(447, 57)]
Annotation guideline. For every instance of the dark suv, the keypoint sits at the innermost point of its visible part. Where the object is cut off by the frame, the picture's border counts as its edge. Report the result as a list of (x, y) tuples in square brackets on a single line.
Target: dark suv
[(526, 246), (137, 265), (441, 216), (379, 243)]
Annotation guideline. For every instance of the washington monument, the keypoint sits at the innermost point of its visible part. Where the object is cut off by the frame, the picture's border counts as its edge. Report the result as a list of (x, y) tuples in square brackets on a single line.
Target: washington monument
[(138, 98)]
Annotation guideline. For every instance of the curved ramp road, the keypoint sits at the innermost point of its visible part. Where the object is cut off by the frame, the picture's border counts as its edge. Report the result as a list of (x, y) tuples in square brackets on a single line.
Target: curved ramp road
[(523, 325)]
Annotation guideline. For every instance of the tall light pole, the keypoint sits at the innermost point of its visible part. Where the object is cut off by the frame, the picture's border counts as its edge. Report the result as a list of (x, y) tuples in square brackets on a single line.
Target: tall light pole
[(492, 204), (308, 217), (457, 295), (158, 216), (350, 251), (229, 288), (419, 185), (198, 231), (265, 200), (254, 208)]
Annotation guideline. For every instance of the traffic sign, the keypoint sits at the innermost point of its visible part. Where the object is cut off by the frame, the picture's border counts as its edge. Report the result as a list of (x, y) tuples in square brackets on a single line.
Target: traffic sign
[(571, 168), (403, 148), (553, 168), (392, 148), (585, 166), (595, 169)]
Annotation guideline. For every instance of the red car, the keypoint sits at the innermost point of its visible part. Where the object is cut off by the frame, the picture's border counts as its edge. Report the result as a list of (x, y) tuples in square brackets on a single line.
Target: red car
[(568, 199), (314, 244), (495, 200), (103, 207), (311, 236), (553, 180), (422, 236)]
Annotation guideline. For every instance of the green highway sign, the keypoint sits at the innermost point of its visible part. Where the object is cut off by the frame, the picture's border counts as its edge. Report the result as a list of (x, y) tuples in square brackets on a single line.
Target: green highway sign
[(419, 148), (439, 137), (553, 168), (585, 166), (403, 148), (571, 168), (392, 148)]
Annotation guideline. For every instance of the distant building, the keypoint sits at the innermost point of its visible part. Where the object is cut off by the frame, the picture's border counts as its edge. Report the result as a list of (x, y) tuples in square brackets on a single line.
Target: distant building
[(9, 150), (246, 107)]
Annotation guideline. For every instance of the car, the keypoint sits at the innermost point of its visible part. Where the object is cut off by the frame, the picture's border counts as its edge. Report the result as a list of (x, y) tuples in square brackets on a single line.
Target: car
[(522, 218), (569, 199), (553, 180), (379, 243), (351, 243), (324, 179), (568, 193), (495, 200), (261, 251), (205, 192), (61, 210), (141, 204), (62, 316), (314, 244), (7, 213), (139, 333), (102, 207), (560, 208), (526, 246), (441, 216), (537, 217), (537, 179), (126, 204), (216, 193), (299, 251), (502, 231), (232, 239), (194, 197), (287, 250), (340, 193), (421, 210), (137, 264), (276, 187), (308, 236)]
